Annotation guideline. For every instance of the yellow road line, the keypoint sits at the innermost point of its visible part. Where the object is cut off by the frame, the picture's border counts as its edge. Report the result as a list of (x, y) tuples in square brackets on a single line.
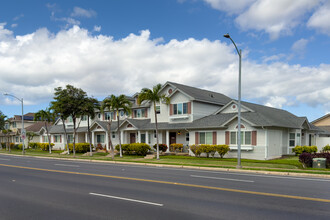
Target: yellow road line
[(178, 184)]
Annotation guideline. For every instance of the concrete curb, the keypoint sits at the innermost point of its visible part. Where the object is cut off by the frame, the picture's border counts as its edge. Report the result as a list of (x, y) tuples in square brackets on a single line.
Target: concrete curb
[(278, 173)]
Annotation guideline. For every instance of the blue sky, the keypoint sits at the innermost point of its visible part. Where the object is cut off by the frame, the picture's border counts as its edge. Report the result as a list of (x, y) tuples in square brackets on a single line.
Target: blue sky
[(114, 47)]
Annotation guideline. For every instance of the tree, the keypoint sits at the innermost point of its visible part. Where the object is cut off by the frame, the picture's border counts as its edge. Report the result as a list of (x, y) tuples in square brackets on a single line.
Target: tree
[(107, 104), (30, 135), (88, 109), (47, 116), (69, 102), (120, 103), (2, 120), (154, 97)]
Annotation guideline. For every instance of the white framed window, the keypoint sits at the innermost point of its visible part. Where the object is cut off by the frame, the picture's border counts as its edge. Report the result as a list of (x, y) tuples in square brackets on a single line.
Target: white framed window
[(113, 134), (180, 108), (206, 137), (100, 138), (246, 137), (70, 138), (70, 119), (298, 139), (14, 125), (45, 139), (157, 109), (292, 139), (57, 138), (139, 113), (84, 118)]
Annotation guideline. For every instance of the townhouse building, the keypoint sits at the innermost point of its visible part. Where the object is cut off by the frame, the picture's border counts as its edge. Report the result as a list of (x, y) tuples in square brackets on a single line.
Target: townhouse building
[(197, 116)]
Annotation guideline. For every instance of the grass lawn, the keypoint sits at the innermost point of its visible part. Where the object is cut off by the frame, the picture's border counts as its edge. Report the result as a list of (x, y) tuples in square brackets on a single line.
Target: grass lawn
[(287, 164)]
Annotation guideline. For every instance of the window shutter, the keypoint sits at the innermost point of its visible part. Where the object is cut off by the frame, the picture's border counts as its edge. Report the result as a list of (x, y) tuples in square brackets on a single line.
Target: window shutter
[(189, 107), (54, 138), (60, 138), (146, 113), (114, 115), (196, 138), (227, 138), (214, 137), (171, 109), (132, 113), (43, 138), (103, 117), (254, 138)]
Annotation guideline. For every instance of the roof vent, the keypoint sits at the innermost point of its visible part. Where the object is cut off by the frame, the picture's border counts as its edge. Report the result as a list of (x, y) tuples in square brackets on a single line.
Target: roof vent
[(211, 95)]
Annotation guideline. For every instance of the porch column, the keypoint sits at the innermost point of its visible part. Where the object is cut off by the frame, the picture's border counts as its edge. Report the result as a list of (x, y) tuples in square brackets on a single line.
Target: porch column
[(93, 142), (147, 137), (122, 137), (86, 137), (168, 141), (107, 141), (139, 137)]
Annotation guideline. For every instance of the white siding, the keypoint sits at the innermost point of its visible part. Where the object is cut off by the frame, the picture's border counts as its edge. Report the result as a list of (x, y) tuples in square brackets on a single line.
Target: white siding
[(200, 110)]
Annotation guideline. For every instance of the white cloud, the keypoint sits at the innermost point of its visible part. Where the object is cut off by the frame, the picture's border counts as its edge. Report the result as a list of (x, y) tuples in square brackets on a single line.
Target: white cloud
[(299, 47), (34, 64), (276, 102), (14, 25), (80, 12), (275, 17), (97, 28), (320, 19), (229, 6)]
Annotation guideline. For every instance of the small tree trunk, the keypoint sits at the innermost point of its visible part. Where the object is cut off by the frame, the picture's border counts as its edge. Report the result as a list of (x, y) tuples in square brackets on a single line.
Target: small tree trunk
[(156, 130), (112, 153), (120, 150), (89, 137), (74, 137), (48, 135), (66, 144)]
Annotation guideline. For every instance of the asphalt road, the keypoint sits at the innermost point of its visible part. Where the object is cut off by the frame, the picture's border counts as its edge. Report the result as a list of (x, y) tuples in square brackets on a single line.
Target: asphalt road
[(35, 188)]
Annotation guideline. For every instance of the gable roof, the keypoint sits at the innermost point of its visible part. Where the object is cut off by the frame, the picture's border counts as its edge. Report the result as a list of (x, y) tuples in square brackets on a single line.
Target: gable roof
[(201, 95), (321, 118), (36, 127)]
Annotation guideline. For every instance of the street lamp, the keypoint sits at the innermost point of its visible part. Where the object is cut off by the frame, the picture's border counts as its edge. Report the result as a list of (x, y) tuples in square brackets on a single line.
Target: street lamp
[(239, 166), (23, 131)]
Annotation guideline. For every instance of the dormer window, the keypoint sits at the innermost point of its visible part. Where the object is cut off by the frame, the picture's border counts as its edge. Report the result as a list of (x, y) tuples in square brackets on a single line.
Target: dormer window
[(180, 108), (170, 91)]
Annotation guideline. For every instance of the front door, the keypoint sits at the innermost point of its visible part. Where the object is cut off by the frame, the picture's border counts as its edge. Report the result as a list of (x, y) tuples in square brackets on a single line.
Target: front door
[(132, 138), (172, 137)]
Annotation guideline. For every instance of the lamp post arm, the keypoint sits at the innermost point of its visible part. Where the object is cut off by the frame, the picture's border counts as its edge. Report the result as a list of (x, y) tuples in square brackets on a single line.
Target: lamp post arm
[(238, 51)]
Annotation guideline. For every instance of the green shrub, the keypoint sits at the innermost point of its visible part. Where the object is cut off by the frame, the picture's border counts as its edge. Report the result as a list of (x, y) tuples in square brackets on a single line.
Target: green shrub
[(222, 149), (80, 147), (134, 148), (123, 146), (33, 145), (304, 149), (326, 148), (209, 149), (176, 147), (45, 146), (3, 145), (162, 147)]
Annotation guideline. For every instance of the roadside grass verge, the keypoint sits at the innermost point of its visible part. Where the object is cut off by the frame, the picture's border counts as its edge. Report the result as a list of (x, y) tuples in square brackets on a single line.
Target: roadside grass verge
[(285, 164)]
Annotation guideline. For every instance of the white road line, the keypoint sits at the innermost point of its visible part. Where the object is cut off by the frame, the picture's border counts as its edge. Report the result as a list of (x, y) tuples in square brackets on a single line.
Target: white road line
[(66, 165), (126, 199), (219, 178), (4, 159)]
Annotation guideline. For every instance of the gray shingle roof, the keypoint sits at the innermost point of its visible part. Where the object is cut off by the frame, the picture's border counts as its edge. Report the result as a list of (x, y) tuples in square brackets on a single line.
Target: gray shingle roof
[(203, 95)]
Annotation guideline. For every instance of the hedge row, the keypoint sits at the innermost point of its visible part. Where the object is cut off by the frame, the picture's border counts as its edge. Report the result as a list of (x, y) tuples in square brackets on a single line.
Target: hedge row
[(176, 147), (80, 147), (326, 149), (134, 148), (304, 149), (307, 159), (42, 146), (209, 149), (162, 147)]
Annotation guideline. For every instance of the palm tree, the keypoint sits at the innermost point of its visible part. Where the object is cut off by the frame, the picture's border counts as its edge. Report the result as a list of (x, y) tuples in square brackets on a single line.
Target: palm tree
[(154, 97), (47, 116), (107, 104), (120, 103), (88, 109)]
